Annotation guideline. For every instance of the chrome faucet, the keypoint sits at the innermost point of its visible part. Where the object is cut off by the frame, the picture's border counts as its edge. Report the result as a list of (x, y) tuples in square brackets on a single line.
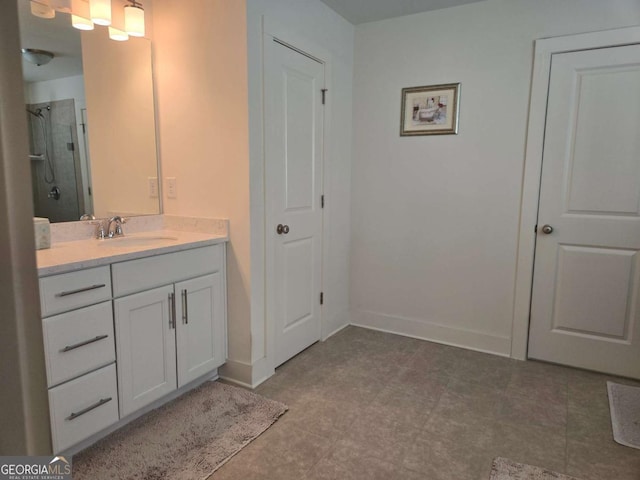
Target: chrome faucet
[(117, 231)]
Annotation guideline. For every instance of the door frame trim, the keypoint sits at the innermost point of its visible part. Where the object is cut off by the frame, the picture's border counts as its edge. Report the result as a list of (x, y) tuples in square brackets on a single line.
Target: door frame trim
[(543, 51)]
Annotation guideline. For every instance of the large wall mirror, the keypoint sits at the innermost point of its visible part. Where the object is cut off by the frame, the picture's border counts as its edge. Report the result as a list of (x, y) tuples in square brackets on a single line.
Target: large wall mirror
[(91, 121)]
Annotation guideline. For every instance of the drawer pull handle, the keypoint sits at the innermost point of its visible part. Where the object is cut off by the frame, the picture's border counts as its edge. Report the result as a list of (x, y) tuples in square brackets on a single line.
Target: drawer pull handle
[(102, 401), (80, 290), (82, 344), (185, 308)]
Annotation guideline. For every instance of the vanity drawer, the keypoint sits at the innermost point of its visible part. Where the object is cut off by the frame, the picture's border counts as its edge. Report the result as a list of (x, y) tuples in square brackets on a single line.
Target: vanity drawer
[(77, 342), (151, 272), (68, 291), (83, 407)]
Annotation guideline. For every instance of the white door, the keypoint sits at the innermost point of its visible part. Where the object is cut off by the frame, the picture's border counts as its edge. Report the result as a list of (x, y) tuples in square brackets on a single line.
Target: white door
[(146, 356), (293, 151), (200, 332), (585, 309)]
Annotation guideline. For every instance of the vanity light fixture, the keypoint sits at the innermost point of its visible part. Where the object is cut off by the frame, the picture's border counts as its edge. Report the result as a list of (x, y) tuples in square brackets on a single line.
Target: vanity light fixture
[(100, 12), (118, 35), (41, 10), (134, 18), (85, 14), (81, 15)]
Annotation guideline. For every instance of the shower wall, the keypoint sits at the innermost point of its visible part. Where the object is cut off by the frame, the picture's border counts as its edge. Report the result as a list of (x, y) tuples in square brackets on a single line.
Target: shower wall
[(63, 157)]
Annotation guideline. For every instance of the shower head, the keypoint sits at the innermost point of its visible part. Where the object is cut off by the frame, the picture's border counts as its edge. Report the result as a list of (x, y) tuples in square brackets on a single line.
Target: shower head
[(37, 113)]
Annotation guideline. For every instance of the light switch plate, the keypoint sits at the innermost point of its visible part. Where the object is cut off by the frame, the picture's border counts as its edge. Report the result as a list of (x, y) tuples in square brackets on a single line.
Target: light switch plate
[(172, 191), (153, 187)]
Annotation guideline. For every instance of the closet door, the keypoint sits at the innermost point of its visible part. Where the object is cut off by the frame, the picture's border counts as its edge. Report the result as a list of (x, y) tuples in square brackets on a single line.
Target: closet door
[(585, 308)]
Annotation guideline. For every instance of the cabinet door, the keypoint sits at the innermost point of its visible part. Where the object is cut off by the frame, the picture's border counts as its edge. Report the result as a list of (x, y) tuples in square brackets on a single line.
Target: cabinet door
[(201, 329), (146, 348)]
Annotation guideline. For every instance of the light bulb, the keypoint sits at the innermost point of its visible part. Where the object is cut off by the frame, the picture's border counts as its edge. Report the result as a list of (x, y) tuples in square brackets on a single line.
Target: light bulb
[(81, 23), (118, 35), (134, 20), (100, 12)]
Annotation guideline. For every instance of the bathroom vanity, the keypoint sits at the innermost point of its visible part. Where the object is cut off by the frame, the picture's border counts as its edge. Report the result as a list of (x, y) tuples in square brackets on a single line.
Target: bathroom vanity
[(128, 324)]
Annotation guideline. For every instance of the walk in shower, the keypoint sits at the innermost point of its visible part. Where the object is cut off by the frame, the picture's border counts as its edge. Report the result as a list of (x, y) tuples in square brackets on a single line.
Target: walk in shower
[(56, 172)]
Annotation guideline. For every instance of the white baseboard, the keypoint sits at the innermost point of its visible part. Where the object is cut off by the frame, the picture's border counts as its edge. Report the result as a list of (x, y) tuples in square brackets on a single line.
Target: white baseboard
[(262, 370), (332, 326), (237, 372), (245, 374), (337, 330), (433, 332)]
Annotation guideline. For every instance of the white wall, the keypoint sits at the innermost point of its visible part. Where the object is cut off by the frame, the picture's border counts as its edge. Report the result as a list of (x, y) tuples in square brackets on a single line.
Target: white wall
[(435, 219), (58, 89), (308, 24)]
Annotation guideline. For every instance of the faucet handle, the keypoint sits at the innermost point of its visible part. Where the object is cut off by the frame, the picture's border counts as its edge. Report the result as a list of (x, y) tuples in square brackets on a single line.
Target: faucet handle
[(100, 231), (118, 231)]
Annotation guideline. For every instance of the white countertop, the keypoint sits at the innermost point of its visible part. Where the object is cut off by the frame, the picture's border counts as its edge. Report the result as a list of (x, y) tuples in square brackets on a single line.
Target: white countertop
[(66, 257)]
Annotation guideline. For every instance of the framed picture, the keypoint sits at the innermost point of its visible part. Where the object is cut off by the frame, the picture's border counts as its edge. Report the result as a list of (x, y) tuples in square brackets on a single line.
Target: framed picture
[(430, 110)]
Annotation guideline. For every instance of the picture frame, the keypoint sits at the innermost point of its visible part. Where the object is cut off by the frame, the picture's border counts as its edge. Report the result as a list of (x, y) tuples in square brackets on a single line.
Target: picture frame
[(430, 110)]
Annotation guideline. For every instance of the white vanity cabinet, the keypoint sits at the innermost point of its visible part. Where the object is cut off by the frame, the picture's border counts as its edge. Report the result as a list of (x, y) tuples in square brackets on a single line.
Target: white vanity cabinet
[(170, 322), (80, 354)]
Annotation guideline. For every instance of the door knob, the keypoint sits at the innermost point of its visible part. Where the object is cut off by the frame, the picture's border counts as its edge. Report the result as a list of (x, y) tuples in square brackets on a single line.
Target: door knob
[(547, 229), (282, 229)]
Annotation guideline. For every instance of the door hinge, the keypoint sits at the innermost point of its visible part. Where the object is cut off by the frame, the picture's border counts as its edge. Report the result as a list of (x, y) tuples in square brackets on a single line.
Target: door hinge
[(321, 298), (324, 95), (321, 201)]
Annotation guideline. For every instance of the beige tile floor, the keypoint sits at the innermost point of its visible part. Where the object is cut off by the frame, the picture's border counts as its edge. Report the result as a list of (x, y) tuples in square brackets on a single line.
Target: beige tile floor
[(371, 405)]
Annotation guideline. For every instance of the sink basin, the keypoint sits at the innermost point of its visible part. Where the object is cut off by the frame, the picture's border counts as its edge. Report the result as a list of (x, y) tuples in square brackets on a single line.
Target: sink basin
[(135, 241)]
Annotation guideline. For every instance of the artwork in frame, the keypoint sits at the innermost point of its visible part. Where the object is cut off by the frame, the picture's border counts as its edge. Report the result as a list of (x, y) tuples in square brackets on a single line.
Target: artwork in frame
[(430, 110)]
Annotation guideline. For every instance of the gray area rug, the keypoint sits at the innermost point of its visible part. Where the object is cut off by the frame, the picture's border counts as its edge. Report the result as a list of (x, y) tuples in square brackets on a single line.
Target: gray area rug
[(505, 469), (624, 404), (186, 439)]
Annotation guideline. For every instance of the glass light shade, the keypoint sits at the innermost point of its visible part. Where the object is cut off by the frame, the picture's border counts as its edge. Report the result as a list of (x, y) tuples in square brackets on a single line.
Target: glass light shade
[(81, 23), (100, 12), (61, 5), (118, 35), (42, 11), (134, 20)]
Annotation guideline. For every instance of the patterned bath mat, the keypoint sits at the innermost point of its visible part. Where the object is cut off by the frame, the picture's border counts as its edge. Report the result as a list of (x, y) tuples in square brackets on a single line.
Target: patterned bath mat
[(505, 469), (186, 439), (624, 404)]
